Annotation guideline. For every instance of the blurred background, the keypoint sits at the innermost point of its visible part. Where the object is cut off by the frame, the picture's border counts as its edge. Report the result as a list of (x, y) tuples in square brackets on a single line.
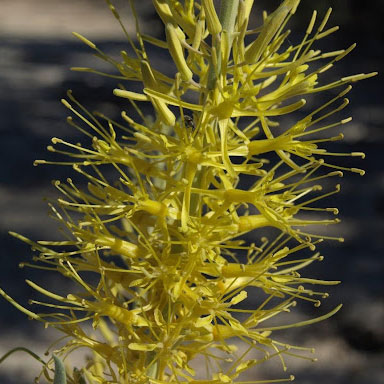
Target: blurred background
[(36, 51)]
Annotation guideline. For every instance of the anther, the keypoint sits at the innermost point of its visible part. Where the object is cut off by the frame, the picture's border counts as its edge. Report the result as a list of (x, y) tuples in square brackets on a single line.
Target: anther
[(361, 172), (84, 40), (346, 52), (325, 20), (336, 173), (347, 120), (142, 137), (65, 102), (358, 154), (329, 66), (312, 23)]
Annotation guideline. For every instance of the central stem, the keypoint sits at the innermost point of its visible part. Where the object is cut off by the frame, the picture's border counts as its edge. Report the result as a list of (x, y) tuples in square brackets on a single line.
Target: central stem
[(228, 14)]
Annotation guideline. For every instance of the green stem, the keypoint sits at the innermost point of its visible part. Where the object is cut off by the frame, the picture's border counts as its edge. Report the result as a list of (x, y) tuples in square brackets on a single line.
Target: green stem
[(227, 17), (152, 371), (23, 350), (228, 14), (60, 375)]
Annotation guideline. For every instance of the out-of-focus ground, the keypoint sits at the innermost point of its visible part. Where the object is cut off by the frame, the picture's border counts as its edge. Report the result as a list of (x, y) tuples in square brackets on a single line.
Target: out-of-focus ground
[(54, 19), (36, 50)]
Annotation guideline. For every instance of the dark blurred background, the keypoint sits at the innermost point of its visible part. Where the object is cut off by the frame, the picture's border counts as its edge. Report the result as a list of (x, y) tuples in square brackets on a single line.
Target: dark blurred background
[(36, 51)]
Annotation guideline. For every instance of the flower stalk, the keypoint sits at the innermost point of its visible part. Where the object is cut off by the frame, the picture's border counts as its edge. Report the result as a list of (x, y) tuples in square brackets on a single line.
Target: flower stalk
[(227, 19)]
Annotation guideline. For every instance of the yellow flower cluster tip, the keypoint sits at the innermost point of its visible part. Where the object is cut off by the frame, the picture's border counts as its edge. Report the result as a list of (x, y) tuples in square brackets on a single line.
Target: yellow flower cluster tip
[(160, 244)]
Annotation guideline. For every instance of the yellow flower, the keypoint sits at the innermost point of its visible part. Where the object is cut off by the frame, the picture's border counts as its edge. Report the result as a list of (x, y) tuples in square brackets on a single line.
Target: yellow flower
[(156, 244)]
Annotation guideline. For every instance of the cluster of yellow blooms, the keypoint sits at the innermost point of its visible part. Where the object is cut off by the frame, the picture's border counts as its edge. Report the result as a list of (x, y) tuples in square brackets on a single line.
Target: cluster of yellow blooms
[(157, 246)]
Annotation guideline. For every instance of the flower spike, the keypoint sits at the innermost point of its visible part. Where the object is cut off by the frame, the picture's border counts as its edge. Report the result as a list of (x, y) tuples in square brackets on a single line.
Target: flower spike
[(185, 214)]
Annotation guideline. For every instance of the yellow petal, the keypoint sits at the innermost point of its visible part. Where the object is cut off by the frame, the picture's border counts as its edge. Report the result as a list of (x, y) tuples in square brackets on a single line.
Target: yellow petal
[(130, 95), (238, 298), (176, 52), (213, 23), (142, 347)]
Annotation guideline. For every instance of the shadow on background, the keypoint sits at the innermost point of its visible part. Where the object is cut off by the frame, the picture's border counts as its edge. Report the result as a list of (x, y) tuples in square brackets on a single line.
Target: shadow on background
[(34, 76)]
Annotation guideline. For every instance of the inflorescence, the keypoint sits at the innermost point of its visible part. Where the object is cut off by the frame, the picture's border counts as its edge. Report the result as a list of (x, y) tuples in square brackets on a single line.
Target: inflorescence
[(169, 238)]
